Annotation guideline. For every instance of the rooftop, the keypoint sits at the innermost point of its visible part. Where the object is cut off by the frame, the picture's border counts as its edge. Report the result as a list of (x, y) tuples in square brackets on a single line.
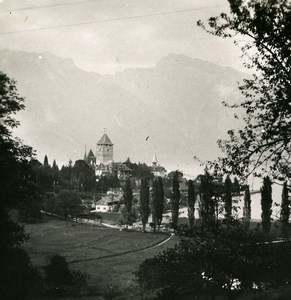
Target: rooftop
[(105, 140), (90, 154)]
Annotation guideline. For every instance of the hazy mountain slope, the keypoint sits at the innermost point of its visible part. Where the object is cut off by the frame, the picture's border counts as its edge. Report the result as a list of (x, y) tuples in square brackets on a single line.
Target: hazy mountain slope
[(188, 93), (177, 103)]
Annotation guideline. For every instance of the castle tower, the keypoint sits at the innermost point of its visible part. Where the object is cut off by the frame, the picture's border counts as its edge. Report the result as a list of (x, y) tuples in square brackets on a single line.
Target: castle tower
[(104, 150)]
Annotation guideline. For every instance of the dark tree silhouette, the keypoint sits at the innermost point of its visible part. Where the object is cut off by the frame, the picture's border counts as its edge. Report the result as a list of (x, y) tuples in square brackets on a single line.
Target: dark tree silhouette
[(233, 253), (235, 186), (266, 204), (228, 198), (66, 175), (285, 208), (83, 175), (59, 278), (45, 161), (175, 200), (128, 197), (263, 145), (18, 279), (207, 200), (247, 206), (144, 202), (158, 202), (191, 203)]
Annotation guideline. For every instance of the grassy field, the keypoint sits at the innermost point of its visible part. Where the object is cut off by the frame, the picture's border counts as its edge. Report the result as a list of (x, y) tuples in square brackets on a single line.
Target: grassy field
[(85, 245), (109, 218)]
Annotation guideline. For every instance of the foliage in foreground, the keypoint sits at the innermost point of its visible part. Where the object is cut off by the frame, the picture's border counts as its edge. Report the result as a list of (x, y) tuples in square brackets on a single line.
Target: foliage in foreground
[(18, 279), (226, 261), (263, 145), (60, 280)]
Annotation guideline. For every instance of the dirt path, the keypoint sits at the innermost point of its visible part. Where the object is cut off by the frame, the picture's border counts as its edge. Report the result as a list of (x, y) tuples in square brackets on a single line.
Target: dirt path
[(125, 252)]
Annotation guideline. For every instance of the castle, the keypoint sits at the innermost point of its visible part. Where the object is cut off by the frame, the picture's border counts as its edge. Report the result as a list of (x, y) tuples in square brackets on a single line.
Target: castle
[(103, 162)]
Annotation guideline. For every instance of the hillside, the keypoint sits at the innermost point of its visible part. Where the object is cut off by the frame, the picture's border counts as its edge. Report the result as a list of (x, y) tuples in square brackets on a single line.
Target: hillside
[(177, 103)]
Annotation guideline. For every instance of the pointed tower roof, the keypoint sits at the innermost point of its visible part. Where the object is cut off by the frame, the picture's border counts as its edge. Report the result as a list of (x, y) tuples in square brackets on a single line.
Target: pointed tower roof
[(155, 159), (105, 140), (90, 154)]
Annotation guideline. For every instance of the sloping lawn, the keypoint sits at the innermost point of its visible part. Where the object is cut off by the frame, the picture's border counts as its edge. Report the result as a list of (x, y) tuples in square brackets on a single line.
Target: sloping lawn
[(84, 246)]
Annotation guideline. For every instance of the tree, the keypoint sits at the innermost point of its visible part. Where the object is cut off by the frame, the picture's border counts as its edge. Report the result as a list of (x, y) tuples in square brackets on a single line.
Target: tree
[(66, 175), (29, 206), (144, 202), (266, 204), (175, 200), (228, 197), (158, 202), (45, 161), (263, 145), (207, 200), (143, 170), (235, 186), (67, 204), (113, 181), (59, 278), (83, 175), (55, 173), (191, 203), (285, 208), (127, 195), (18, 279), (127, 218), (103, 184), (247, 206)]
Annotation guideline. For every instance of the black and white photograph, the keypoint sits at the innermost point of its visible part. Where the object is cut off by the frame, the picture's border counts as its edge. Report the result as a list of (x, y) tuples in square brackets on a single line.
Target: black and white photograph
[(145, 149)]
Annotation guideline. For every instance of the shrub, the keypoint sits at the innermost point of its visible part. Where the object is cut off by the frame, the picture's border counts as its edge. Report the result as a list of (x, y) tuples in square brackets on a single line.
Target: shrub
[(60, 280)]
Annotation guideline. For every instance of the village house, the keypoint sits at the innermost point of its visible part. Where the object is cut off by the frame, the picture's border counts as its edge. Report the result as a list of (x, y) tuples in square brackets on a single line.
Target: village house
[(108, 202)]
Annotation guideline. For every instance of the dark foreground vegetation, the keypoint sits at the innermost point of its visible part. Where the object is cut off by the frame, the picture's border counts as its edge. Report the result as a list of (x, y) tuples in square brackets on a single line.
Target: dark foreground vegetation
[(223, 259)]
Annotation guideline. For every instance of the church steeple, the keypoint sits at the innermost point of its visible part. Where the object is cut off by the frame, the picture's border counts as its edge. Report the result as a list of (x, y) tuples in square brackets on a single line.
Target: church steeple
[(155, 159)]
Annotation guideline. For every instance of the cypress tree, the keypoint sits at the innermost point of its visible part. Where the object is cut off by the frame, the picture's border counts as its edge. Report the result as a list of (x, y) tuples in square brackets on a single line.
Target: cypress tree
[(55, 166), (144, 202), (160, 203), (175, 200), (45, 162), (228, 197), (247, 206), (128, 197), (207, 201), (55, 172), (285, 209), (191, 203), (236, 186), (266, 204), (155, 202)]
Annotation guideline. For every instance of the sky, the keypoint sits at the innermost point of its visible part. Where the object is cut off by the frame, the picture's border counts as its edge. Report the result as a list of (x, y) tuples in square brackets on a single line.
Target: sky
[(108, 36)]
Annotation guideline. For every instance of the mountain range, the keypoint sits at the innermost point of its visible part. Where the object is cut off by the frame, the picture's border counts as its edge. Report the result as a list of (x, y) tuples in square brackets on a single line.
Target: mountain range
[(173, 108)]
